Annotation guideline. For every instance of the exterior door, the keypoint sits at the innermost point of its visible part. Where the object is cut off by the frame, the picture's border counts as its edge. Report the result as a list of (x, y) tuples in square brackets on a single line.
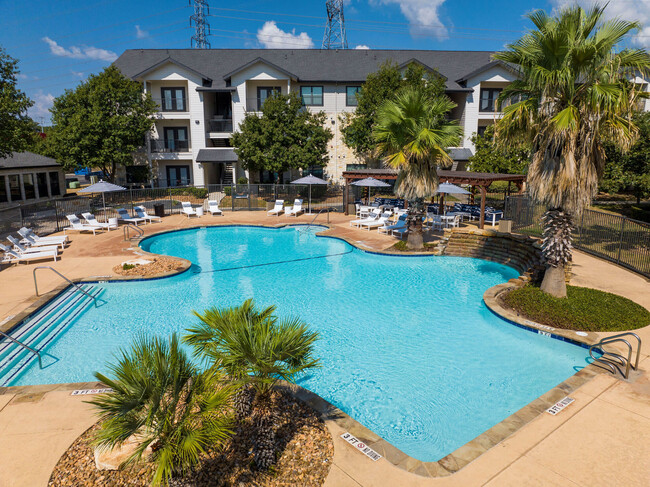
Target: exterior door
[(178, 175)]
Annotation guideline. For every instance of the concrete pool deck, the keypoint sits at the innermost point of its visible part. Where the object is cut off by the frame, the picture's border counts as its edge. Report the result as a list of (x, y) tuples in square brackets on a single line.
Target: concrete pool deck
[(604, 436)]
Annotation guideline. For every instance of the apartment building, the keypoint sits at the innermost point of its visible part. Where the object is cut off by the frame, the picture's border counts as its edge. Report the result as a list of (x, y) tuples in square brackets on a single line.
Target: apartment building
[(203, 96)]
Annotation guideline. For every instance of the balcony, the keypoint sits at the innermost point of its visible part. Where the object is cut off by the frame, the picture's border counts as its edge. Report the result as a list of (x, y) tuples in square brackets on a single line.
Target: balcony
[(168, 146), (220, 125), (169, 107)]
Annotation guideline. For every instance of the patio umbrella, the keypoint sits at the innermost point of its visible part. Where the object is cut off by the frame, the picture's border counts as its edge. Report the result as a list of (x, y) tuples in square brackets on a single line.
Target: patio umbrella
[(448, 188), (370, 183), (102, 187), (309, 180)]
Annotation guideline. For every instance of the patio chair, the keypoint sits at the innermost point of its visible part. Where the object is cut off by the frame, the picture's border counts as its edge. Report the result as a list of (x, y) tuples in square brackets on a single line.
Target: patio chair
[(374, 214), (376, 223), (33, 240), (141, 211), (91, 220), (277, 209), (124, 216), (188, 210), (12, 256), (213, 208), (21, 249), (388, 229), (295, 209), (75, 224)]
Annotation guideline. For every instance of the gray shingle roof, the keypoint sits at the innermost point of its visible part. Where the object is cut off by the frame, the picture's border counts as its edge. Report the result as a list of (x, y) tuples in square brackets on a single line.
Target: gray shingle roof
[(349, 65), (24, 160)]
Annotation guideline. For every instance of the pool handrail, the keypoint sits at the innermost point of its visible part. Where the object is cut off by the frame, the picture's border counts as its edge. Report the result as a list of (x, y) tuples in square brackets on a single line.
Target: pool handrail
[(76, 286)]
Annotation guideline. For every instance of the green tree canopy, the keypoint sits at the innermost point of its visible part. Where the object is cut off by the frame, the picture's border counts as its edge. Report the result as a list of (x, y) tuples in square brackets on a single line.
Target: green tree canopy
[(490, 156), (102, 122), (380, 86), (285, 136), (16, 128)]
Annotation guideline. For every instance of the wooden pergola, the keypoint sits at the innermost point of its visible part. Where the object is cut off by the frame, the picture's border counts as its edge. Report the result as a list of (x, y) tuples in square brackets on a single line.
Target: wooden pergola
[(475, 179)]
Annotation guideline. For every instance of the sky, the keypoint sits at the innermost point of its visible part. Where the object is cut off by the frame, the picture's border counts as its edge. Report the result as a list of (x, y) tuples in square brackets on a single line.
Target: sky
[(60, 42)]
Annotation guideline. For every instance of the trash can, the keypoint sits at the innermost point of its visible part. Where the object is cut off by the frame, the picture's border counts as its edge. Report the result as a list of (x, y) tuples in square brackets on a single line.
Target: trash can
[(159, 209)]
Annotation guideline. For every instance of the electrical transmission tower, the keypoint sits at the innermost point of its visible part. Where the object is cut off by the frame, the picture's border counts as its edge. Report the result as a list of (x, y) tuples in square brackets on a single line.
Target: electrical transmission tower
[(201, 27), (335, 28)]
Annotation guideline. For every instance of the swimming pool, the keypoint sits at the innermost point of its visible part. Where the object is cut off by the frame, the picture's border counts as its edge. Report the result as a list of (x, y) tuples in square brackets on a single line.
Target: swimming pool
[(407, 346)]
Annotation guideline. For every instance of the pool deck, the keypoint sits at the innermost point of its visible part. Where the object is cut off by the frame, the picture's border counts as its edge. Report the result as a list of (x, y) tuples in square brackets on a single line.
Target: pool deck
[(603, 437)]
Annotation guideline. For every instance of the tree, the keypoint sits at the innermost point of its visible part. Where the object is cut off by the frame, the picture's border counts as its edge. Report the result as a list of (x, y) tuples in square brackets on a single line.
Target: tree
[(572, 95), (162, 401), (255, 348), (285, 136), (490, 156), (102, 122), (16, 128), (412, 133), (379, 87), (630, 171)]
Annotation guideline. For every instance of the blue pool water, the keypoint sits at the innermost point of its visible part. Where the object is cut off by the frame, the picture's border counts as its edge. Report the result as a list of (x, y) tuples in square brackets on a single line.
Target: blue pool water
[(407, 346)]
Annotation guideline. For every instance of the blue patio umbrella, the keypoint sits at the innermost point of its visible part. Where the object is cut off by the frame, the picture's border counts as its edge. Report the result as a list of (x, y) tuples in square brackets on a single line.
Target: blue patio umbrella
[(102, 187), (309, 180)]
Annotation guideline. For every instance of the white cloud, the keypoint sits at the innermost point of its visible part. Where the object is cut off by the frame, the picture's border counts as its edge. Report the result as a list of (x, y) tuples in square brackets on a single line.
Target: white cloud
[(421, 14), (362, 46), (78, 73), (22, 76), (42, 104), (639, 11), (139, 33), (272, 37), (85, 52)]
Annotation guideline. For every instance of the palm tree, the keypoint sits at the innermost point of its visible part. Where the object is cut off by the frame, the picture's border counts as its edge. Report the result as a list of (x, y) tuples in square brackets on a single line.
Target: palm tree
[(412, 133), (573, 94), (256, 349), (163, 402)]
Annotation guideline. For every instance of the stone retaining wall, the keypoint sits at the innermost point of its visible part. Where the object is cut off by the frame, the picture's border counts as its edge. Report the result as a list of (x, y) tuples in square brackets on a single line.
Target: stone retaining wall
[(521, 252)]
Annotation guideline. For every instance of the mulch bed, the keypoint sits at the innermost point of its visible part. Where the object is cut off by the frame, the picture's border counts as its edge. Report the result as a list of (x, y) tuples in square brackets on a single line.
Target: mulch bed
[(159, 265), (305, 457)]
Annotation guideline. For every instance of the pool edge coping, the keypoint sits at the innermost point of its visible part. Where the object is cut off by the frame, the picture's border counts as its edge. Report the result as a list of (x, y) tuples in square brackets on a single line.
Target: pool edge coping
[(448, 465)]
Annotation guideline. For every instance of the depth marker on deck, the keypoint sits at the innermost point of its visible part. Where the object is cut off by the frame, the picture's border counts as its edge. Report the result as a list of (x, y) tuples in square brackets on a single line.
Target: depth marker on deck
[(559, 406), (361, 446), (85, 392)]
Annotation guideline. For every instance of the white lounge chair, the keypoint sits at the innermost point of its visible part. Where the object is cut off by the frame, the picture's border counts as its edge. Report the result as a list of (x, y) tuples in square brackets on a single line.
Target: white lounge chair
[(11, 255), (124, 216), (188, 210), (75, 224), (91, 220), (33, 240), (377, 222), (374, 214), (295, 209), (21, 249), (277, 209), (389, 228), (213, 207), (141, 211)]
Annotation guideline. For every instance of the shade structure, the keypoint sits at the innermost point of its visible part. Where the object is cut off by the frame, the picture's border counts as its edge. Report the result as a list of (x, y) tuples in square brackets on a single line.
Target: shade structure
[(309, 180), (370, 183), (448, 188), (102, 187)]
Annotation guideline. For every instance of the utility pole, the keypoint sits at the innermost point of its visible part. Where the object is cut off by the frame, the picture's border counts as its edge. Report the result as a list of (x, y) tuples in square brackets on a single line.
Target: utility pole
[(201, 27), (335, 28)]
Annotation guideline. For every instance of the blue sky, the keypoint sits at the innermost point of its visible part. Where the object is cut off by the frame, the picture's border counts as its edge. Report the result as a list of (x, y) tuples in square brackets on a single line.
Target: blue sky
[(59, 43)]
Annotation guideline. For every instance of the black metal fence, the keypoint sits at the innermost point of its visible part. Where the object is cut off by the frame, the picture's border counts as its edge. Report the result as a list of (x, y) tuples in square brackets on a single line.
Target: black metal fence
[(613, 237), (50, 216)]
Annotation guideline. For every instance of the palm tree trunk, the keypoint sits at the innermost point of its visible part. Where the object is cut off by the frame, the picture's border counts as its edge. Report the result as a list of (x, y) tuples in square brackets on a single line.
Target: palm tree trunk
[(556, 246), (415, 236)]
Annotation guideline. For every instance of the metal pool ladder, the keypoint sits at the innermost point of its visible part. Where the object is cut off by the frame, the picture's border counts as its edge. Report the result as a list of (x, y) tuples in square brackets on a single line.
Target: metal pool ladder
[(129, 226), (614, 360), (328, 209), (76, 286), (26, 347)]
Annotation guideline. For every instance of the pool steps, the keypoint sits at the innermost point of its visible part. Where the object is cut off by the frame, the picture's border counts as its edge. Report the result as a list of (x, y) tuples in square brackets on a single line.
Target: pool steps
[(40, 329)]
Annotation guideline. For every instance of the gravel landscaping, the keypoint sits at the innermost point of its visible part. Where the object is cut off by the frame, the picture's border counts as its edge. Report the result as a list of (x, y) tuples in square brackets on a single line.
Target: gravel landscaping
[(304, 443)]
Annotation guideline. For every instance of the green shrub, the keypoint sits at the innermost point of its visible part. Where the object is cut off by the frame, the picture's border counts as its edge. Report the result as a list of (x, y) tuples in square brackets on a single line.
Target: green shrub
[(401, 246), (227, 190), (583, 309), (199, 193), (126, 267), (242, 180)]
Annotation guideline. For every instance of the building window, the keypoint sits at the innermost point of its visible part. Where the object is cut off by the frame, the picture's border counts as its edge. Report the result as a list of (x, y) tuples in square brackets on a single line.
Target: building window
[(14, 187), (28, 185), (489, 99), (316, 171), (173, 100), (41, 183), (3, 190), (351, 95), (178, 175), (264, 92), (481, 130), (176, 139), (312, 96), (54, 183)]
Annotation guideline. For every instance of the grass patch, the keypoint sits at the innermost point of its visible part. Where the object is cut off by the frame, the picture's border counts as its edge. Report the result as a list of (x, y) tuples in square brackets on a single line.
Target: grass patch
[(583, 309), (635, 211)]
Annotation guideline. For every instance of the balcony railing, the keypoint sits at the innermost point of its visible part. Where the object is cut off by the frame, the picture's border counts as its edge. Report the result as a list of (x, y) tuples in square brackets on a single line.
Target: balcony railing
[(170, 145), (171, 105), (223, 125)]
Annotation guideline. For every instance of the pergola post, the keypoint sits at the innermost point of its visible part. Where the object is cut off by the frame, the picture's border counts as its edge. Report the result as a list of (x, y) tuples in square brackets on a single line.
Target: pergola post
[(483, 195), (346, 196)]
